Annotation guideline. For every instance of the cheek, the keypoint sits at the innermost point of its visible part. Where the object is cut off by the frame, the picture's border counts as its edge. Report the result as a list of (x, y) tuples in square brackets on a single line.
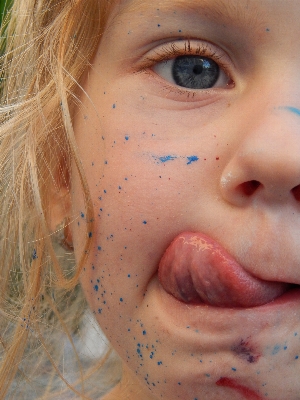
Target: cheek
[(146, 181)]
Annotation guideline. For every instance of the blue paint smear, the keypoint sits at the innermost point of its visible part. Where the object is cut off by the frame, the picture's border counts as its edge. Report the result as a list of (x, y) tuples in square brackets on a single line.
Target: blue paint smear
[(167, 158), (293, 110), (192, 159), (276, 349)]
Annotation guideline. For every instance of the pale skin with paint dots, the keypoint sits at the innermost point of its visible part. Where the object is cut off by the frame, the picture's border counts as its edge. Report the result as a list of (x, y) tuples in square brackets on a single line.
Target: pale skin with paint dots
[(188, 132), (216, 83)]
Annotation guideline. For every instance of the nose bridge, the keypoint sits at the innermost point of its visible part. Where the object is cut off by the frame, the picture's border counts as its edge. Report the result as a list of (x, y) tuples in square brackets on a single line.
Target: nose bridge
[(266, 163)]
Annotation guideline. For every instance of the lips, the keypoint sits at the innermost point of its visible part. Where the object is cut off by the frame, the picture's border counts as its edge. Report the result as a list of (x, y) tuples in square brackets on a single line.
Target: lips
[(196, 269)]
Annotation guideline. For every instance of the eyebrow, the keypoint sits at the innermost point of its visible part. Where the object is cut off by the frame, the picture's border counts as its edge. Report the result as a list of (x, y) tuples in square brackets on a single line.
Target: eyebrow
[(226, 11)]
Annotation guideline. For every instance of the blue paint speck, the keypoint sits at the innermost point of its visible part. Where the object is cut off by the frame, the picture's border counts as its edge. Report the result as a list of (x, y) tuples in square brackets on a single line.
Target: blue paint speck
[(90, 234), (159, 362), (296, 358), (34, 255), (192, 159), (233, 369), (144, 222), (126, 137), (82, 215), (113, 106), (121, 299), (144, 333), (96, 288)]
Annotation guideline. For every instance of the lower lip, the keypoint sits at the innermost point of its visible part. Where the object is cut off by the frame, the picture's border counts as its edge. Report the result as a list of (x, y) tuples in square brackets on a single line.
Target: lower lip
[(197, 314)]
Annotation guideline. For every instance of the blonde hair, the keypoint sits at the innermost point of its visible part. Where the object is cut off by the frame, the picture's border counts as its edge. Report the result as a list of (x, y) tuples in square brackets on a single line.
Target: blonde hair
[(48, 46)]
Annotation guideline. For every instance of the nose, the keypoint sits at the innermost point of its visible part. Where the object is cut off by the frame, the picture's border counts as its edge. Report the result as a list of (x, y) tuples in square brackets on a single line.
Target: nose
[(266, 164)]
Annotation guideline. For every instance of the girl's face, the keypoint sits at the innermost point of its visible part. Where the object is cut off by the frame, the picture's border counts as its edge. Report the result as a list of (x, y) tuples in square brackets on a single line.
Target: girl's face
[(191, 123)]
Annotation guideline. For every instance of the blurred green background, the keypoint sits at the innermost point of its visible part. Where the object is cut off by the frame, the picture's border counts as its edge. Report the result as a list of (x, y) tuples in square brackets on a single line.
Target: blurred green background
[(4, 6)]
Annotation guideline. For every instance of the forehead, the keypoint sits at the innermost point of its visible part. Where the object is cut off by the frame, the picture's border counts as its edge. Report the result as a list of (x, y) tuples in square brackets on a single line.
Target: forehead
[(227, 10), (241, 12)]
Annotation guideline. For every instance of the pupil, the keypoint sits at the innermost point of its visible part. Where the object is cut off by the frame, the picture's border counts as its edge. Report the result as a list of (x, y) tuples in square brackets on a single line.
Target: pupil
[(198, 69)]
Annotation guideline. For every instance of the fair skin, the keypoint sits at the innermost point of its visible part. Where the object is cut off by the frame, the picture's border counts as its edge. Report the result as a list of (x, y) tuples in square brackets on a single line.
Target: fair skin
[(162, 159)]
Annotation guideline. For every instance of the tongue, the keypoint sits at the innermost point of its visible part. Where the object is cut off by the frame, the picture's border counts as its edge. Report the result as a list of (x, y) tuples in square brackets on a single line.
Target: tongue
[(196, 269)]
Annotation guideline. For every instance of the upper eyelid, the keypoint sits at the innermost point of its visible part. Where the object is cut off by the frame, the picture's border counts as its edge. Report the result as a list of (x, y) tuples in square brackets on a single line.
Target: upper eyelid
[(174, 48)]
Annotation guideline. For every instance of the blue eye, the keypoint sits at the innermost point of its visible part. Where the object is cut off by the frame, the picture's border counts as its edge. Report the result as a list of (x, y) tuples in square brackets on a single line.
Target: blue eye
[(195, 72), (192, 72)]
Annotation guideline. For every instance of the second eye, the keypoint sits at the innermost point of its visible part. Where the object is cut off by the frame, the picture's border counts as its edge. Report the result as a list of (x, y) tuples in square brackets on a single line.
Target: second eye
[(192, 72)]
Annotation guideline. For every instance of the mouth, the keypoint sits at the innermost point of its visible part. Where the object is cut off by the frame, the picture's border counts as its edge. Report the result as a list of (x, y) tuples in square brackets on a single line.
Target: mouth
[(197, 270)]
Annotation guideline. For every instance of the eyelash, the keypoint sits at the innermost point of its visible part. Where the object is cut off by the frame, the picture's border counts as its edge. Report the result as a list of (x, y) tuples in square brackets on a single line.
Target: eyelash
[(174, 49)]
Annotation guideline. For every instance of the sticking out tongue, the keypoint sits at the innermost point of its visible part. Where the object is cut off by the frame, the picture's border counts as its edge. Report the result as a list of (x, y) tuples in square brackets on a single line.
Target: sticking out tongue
[(196, 269)]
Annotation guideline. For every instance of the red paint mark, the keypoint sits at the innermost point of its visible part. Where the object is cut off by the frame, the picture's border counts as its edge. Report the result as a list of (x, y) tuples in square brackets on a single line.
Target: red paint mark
[(217, 158), (243, 390)]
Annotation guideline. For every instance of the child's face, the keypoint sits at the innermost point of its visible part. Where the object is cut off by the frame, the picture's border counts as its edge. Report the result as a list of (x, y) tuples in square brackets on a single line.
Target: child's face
[(173, 142)]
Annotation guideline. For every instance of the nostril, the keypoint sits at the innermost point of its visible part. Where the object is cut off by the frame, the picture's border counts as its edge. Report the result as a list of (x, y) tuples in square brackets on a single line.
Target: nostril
[(249, 187), (296, 192)]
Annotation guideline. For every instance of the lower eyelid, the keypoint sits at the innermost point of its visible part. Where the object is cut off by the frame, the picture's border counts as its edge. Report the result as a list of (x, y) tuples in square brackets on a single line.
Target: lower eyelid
[(172, 92)]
